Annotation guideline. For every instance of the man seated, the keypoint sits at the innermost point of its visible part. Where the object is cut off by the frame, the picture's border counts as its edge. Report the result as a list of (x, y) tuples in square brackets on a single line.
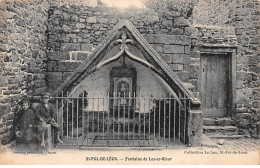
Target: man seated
[(24, 121), (46, 114)]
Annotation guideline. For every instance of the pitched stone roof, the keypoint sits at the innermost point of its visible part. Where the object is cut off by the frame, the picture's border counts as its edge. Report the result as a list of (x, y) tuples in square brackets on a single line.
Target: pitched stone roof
[(155, 63)]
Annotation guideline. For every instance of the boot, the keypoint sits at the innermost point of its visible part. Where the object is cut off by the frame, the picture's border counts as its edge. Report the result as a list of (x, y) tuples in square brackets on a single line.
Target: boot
[(58, 137), (43, 141)]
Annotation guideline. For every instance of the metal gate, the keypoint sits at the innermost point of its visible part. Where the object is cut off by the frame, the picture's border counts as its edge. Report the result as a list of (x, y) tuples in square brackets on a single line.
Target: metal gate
[(111, 120)]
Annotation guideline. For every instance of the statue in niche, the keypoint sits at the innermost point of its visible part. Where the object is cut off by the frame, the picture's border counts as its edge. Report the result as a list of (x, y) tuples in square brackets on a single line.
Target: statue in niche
[(123, 87)]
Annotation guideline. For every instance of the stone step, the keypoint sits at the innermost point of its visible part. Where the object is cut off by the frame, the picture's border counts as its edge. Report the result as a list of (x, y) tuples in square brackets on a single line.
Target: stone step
[(221, 136), (218, 121), (220, 129)]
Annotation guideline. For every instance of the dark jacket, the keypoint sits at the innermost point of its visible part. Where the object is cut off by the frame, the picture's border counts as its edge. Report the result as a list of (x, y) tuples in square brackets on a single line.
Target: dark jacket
[(24, 118), (46, 113)]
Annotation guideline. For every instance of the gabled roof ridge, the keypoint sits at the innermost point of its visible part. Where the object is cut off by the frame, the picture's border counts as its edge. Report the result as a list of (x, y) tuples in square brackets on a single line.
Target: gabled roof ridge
[(148, 48)]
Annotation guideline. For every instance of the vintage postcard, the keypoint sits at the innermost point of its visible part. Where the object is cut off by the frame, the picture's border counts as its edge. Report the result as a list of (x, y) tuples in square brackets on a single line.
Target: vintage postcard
[(141, 82)]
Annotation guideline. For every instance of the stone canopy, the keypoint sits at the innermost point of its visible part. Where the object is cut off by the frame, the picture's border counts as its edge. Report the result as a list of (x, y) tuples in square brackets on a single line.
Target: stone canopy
[(125, 34)]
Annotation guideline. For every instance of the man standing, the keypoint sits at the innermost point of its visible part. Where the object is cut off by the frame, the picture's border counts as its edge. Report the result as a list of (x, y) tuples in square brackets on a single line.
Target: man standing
[(46, 114)]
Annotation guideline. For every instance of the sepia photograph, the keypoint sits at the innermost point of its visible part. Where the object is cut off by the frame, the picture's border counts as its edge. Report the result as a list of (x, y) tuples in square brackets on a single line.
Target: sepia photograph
[(120, 82)]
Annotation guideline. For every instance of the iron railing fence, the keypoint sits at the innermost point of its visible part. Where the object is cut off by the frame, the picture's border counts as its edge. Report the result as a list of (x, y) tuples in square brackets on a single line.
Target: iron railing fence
[(157, 120)]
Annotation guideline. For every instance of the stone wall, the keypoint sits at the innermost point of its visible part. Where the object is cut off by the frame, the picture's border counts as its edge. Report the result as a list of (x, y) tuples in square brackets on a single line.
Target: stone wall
[(234, 23), (73, 33), (43, 41), (23, 57), (248, 67)]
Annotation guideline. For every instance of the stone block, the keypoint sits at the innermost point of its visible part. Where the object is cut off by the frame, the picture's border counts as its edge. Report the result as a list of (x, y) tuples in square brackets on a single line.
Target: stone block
[(65, 16), (57, 12), (52, 66), (66, 28), (187, 49), (167, 58), (168, 14), (174, 67), (167, 39), (181, 21), (184, 76), (49, 137), (68, 66), (75, 31), (74, 18), (195, 129), (242, 98), (39, 83), (256, 104), (102, 20), (179, 58), (195, 54), (152, 17), (209, 122), (80, 26), (225, 122), (256, 91), (188, 31), (194, 71), (241, 75), (167, 23), (52, 87), (58, 55), (158, 47), (174, 49), (3, 81), (239, 31), (244, 123), (239, 67), (39, 91), (39, 77), (253, 60), (255, 69), (86, 47), (177, 31), (92, 19), (180, 67), (54, 77), (82, 20), (194, 60), (70, 47)]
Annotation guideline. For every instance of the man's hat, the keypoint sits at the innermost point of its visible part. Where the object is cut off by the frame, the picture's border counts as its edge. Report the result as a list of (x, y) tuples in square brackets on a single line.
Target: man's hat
[(46, 94)]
